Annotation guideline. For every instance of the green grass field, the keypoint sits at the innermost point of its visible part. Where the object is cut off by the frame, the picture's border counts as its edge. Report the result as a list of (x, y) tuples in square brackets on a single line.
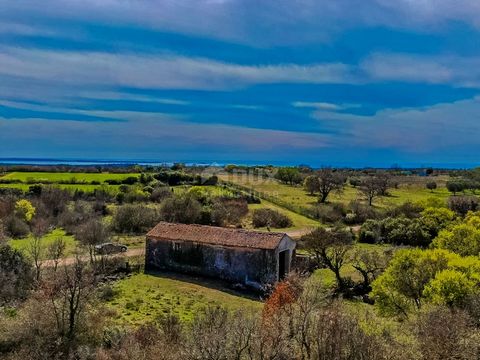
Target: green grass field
[(299, 221), (141, 297), (112, 189), (66, 176), (297, 196), (71, 244)]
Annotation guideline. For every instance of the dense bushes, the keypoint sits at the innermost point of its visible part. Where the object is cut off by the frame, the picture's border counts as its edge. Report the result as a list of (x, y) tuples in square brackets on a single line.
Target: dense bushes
[(414, 276), (181, 209), (397, 231), (16, 275), (226, 211), (270, 218), (463, 204), (402, 230), (134, 219)]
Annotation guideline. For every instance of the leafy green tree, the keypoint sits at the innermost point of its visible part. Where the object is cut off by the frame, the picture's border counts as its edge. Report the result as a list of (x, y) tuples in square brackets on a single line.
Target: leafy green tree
[(400, 288), (463, 238), (289, 175), (431, 185), (415, 276), (436, 219), (451, 287), (24, 210), (311, 184), (455, 186)]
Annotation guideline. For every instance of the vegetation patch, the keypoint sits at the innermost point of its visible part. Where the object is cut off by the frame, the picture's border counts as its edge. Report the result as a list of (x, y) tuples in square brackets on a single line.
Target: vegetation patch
[(142, 297)]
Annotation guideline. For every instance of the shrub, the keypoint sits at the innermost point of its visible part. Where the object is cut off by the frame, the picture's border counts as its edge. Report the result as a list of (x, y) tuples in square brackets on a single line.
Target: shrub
[(16, 275), (329, 212), (270, 218), (160, 193), (181, 209), (16, 228), (397, 231), (463, 204), (134, 219), (228, 211), (455, 186), (431, 185)]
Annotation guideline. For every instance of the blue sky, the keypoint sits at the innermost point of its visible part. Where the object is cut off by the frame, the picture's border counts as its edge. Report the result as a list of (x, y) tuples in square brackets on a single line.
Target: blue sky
[(344, 82)]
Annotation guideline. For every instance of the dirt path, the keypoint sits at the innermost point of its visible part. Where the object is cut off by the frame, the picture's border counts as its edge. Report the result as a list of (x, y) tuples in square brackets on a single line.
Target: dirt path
[(70, 260)]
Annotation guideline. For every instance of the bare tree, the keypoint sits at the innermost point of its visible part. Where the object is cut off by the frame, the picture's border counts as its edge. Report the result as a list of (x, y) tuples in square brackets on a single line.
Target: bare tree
[(92, 233), (329, 247), (329, 180), (35, 247), (68, 293), (369, 188), (370, 263), (56, 250)]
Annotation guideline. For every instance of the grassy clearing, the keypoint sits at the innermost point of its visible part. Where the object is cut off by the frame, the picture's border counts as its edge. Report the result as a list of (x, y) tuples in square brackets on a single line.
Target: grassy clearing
[(66, 176), (71, 244), (297, 196), (326, 278), (299, 221), (142, 297)]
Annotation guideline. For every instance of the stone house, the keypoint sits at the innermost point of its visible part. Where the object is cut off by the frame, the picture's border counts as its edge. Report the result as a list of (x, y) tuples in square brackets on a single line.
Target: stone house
[(251, 258)]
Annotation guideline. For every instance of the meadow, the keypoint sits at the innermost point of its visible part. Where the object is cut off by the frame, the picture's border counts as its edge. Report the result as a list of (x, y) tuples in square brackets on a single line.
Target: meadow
[(70, 242), (296, 196), (55, 177), (141, 297)]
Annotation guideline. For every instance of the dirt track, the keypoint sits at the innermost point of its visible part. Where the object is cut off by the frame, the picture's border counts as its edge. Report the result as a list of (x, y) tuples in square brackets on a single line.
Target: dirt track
[(71, 260)]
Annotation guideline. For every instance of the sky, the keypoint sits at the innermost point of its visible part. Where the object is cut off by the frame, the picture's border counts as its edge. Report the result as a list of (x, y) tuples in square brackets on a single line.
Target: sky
[(325, 83)]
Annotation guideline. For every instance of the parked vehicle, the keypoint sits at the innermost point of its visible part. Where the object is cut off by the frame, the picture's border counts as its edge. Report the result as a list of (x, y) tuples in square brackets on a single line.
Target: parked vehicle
[(110, 248)]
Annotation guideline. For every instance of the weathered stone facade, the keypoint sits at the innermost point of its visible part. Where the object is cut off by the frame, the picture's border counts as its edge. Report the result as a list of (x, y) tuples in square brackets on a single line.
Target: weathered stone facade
[(236, 262)]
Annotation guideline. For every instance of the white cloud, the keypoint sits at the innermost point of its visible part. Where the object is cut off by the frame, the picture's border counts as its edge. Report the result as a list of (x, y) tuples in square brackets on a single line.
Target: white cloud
[(317, 105), (445, 127), (251, 21), (157, 71), (442, 69)]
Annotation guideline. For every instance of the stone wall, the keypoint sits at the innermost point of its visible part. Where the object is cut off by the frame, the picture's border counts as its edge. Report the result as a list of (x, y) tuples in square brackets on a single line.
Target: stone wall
[(251, 267)]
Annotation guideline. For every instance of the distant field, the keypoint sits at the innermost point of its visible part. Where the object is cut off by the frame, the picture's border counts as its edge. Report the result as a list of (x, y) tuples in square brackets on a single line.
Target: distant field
[(141, 297), (297, 196), (59, 177), (113, 189)]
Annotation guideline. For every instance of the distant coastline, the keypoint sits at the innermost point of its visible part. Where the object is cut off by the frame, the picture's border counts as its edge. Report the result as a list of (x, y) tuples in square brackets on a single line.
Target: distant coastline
[(129, 162)]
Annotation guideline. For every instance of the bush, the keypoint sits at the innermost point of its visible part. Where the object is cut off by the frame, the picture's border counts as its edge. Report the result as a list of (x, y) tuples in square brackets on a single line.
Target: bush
[(360, 213), (407, 209), (397, 231), (16, 275), (134, 219), (270, 218), (330, 213), (227, 211), (181, 209), (160, 193), (463, 204), (16, 228)]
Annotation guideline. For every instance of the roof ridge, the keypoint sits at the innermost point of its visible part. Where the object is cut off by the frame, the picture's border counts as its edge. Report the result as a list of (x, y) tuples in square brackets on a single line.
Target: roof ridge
[(216, 235)]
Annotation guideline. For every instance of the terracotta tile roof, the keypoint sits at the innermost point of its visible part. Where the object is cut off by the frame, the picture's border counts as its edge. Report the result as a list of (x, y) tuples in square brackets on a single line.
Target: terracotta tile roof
[(216, 235)]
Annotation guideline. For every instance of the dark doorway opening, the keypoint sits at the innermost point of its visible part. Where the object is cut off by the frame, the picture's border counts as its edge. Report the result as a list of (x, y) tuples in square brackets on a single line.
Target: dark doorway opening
[(282, 264)]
